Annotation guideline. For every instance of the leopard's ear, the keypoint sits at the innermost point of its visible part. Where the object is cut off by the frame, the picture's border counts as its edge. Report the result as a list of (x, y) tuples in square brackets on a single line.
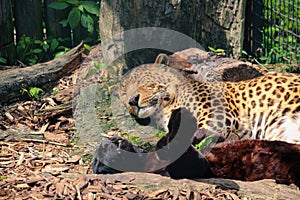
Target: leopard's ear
[(114, 90), (162, 59)]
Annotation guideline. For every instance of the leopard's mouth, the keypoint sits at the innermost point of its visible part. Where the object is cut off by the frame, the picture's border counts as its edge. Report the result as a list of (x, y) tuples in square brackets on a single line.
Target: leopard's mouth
[(141, 115), (139, 111), (143, 121), (144, 112)]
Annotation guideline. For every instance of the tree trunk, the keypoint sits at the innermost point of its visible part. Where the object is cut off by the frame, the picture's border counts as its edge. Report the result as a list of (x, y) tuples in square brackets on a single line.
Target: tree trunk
[(7, 49), (28, 15), (53, 26), (218, 24)]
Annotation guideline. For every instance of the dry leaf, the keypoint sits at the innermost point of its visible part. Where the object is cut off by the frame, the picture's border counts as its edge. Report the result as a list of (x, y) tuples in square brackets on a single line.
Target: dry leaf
[(22, 186), (74, 159), (60, 138), (81, 182), (9, 116), (55, 168), (44, 128)]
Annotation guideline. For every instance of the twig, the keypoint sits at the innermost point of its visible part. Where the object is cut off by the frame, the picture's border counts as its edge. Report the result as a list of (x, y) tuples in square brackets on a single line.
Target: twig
[(42, 141), (78, 192)]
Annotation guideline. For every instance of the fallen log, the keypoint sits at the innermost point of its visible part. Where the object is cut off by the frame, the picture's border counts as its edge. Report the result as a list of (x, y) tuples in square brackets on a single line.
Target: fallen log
[(43, 75), (149, 183), (205, 66)]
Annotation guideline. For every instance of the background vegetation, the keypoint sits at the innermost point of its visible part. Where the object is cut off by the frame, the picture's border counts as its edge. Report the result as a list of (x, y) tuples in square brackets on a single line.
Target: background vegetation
[(281, 31)]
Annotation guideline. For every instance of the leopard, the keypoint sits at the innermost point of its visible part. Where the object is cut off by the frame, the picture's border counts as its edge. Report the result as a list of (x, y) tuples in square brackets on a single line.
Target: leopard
[(264, 108)]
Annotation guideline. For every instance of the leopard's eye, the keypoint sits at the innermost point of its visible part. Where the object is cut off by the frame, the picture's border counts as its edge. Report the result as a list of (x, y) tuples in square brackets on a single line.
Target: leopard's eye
[(167, 99), (154, 100)]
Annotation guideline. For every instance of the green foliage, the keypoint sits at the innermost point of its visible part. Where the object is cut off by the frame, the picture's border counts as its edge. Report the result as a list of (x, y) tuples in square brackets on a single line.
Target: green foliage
[(56, 91), (87, 47), (293, 69), (31, 51), (137, 141), (97, 66), (82, 13), (3, 60), (251, 58), (34, 92), (206, 142), (3, 178), (216, 51), (133, 139), (160, 134), (279, 42)]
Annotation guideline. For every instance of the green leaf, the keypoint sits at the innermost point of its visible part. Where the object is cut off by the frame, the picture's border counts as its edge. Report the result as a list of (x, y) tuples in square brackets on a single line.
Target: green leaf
[(84, 20), (219, 50), (205, 142), (74, 18), (90, 28), (160, 134), (37, 51), (87, 47), (63, 48), (3, 60), (211, 49), (34, 92), (53, 45), (59, 54), (91, 7), (58, 5), (87, 22), (64, 22), (244, 52), (263, 58), (32, 61), (80, 7), (3, 177), (72, 2), (27, 40), (46, 47), (91, 24), (38, 42)]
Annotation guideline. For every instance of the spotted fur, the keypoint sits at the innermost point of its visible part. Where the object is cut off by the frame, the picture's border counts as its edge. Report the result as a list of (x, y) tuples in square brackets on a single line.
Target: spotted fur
[(267, 107)]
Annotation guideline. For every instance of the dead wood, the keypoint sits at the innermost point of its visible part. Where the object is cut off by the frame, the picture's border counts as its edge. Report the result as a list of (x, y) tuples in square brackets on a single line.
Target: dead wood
[(263, 189), (42, 75), (207, 66)]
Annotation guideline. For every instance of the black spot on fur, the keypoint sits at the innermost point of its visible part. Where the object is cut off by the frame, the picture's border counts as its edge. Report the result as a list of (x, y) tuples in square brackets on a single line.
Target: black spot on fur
[(220, 117), (227, 122), (253, 104), (287, 96), (220, 124), (296, 110)]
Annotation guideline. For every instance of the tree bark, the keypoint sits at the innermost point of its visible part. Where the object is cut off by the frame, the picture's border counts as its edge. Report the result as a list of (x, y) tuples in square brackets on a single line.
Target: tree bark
[(7, 48), (205, 66), (219, 24), (28, 15), (40, 75), (52, 21)]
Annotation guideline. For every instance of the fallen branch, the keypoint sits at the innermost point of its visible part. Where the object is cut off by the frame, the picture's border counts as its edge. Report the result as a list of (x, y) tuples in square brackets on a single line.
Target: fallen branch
[(43, 75)]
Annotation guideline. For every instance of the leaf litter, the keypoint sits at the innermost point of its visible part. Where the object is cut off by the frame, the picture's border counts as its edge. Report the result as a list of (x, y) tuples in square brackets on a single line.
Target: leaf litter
[(36, 152)]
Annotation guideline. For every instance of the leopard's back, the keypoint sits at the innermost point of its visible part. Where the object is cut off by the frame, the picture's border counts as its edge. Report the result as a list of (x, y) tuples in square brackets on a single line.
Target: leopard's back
[(268, 106)]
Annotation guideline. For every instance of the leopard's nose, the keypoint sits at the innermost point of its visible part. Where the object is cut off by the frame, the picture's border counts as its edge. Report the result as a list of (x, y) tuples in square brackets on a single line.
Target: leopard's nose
[(134, 100)]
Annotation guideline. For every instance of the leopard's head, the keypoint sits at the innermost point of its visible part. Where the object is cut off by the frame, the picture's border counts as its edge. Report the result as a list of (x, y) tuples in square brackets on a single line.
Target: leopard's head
[(150, 91), (149, 99)]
